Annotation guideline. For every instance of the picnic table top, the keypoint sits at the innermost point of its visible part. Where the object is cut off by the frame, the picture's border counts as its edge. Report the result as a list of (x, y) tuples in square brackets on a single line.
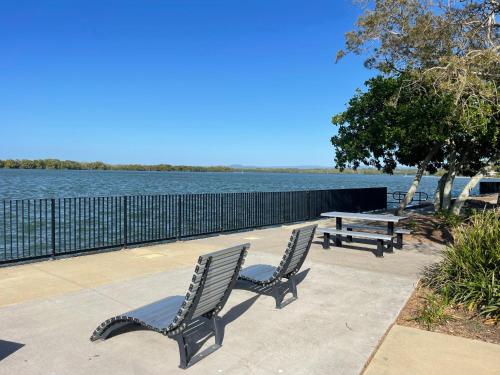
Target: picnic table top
[(361, 216)]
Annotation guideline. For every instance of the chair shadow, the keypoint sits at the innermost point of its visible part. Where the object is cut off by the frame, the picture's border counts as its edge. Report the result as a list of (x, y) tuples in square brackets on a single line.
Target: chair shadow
[(199, 330), (8, 347), (198, 333)]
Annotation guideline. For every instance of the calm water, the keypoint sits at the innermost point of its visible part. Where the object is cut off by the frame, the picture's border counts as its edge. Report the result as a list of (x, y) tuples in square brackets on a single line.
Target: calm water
[(17, 184)]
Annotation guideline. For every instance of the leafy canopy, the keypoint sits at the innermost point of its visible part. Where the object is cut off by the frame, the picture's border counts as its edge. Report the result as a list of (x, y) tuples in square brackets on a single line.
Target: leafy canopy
[(449, 46), (391, 123)]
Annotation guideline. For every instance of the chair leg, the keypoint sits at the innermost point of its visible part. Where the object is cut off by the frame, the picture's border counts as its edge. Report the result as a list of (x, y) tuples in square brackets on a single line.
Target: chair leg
[(282, 289), (183, 350), (278, 296), (326, 240), (219, 335), (293, 287), (399, 240), (380, 249)]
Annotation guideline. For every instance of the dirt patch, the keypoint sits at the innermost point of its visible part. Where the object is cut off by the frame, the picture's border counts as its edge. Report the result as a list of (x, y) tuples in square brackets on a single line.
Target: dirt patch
[(427, 228), (460, 323)]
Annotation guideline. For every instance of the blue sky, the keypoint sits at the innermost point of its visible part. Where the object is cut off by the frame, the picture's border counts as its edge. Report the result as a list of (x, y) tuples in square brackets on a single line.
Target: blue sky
[(181, 82)]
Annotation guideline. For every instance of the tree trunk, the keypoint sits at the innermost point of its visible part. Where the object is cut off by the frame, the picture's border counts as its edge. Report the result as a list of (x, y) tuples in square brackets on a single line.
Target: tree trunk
[(448, 183), (438, 194), (459, 202), (416, 180)]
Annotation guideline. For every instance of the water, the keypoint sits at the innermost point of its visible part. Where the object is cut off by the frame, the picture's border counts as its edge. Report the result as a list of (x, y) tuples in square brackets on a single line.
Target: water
[(20, 184)]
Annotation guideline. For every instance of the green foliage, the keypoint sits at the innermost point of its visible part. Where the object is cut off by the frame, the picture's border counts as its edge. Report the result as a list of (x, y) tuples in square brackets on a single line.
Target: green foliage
[(391, 123), (453, 45), (433, 311), (469, 273), (411, 224), (448, 220), (445, 55)]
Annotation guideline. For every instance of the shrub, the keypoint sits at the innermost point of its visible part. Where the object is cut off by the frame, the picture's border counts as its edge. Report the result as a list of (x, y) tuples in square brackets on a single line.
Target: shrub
[(469, 272)]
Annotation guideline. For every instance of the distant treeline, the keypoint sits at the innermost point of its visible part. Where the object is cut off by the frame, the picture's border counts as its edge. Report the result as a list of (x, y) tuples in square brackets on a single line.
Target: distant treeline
[(99, 165)]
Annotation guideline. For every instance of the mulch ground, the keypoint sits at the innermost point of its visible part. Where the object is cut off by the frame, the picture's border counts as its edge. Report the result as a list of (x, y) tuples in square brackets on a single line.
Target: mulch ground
[(461, 323)]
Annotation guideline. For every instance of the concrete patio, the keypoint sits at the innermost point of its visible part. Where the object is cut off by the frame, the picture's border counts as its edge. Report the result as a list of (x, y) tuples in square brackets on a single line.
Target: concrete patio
[(347, 302)]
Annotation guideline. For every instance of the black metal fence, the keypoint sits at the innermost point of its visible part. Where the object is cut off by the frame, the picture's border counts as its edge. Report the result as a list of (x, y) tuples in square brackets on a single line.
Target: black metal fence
[(489, 187), (40, 228)]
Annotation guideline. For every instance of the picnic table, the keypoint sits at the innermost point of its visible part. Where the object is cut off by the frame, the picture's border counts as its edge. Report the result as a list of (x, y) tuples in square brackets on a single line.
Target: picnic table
[(391, 220)]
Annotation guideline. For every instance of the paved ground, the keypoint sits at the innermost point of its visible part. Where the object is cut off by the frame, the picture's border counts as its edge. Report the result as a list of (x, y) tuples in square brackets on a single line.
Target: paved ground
[(410, 350), (348, 300)]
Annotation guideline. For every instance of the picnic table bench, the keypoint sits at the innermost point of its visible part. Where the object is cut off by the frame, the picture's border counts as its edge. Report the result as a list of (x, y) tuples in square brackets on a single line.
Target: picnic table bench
[(347, 230), (399, 232)]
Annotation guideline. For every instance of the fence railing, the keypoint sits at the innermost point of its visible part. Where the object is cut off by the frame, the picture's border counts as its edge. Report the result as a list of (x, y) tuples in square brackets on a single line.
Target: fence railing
[(397, 196), (40, 228), (489, 187)]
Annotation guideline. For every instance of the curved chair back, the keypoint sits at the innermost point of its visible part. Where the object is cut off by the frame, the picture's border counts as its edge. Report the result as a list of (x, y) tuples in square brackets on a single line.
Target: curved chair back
[(296, 252), (212, 282)]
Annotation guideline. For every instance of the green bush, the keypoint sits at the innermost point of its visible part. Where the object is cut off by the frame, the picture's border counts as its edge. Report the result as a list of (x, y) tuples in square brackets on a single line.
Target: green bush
[(469, 272)]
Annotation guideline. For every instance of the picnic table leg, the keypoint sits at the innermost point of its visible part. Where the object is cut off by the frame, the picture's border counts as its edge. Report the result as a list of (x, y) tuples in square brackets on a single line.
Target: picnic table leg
[(326, 240), (338, 226), (380, 249), (399, 242), (349, 238), (390, 231), (390, 228)]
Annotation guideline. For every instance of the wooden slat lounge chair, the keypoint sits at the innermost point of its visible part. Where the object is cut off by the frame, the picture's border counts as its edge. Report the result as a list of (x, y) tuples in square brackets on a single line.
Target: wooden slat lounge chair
[(269, 280), (177, 317)]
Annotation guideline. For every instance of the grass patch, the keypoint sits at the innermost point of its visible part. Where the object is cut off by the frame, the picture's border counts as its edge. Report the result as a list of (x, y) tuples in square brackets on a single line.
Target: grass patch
[(411, 224), (433, 311)]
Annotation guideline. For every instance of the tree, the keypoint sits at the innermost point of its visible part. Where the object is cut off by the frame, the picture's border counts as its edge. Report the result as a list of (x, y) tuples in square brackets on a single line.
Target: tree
[(480, 155), (10, 163), (393, 123), (447, 47)]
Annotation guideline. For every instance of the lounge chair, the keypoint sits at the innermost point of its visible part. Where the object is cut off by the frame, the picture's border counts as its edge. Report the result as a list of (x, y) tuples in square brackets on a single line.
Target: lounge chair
[(178, 317), (268, 280)]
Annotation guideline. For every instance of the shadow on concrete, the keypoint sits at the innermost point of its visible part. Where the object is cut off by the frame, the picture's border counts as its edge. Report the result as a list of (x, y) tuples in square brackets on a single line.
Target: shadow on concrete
[(268, 290), (352, 245), (200, 330), (201, 333), (8, 347)]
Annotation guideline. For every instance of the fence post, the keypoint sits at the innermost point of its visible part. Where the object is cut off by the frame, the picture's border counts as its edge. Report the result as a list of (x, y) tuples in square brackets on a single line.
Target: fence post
[(125, 221), (53, 225), (283, 202), (221, 212), (309, 204), (179, 213)]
